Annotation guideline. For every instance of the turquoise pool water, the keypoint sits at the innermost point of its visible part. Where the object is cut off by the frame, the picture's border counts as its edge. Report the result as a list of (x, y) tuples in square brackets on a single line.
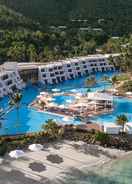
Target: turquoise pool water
[(121, 106), (31, 120)]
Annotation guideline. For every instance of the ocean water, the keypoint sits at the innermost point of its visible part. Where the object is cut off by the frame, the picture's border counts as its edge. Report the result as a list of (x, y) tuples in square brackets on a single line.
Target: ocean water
[(116, 172)]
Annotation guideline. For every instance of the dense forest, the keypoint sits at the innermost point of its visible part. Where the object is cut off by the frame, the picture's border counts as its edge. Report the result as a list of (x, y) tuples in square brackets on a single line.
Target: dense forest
[(23, 40), (78, 28), (113, 16)]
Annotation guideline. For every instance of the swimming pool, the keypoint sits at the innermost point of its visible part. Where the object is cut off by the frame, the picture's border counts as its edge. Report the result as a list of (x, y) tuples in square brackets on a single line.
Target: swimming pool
[(31, 120), (121, 106)]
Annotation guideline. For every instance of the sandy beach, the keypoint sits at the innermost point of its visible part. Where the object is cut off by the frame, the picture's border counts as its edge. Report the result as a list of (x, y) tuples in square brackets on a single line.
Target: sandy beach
[(51, 164)]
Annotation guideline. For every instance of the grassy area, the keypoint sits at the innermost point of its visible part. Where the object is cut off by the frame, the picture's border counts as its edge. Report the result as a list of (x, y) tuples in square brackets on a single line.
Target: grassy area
[(123, 77)]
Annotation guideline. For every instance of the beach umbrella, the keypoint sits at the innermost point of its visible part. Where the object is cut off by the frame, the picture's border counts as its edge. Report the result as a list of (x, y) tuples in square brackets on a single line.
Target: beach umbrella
[(61, 106), (16, 154), (68, 101), (79, 94), (56, 90), (35, 147), (66, 119), (128, 93), (43, 93), (114, 90), (73, 90), (39, 96), (55, 159)]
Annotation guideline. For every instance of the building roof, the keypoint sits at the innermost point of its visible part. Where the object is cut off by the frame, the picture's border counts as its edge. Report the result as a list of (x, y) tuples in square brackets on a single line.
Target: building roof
[(21, 66), (96, 96)]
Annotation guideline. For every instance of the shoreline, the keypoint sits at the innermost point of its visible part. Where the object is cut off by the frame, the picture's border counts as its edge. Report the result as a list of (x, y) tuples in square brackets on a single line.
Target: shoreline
[(71, 154)]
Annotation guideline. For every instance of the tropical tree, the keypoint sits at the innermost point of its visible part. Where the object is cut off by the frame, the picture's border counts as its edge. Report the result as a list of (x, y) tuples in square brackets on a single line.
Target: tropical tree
[(122, 120), (15, 101), (32, 53), (90, 81), (53, 130), (102, 137), (114, 79), (106, 78)]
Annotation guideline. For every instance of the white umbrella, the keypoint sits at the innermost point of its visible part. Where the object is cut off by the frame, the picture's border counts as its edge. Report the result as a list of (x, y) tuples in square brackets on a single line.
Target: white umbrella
[(35, 147), (114, 90), (55, 90), (16, 154), (128, 93), (79, 94), (68, 101), (43, 93), (73, 90), (39, 96), (66, 119), (61, 106)]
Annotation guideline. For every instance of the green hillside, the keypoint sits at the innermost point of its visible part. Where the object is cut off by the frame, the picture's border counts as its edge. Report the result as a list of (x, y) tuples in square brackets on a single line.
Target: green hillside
[(12, 20), (116, 15), (23, 40)]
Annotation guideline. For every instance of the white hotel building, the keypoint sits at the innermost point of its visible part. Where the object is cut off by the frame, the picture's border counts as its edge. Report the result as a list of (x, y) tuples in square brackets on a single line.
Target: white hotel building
[(72, 68), (13, 74)]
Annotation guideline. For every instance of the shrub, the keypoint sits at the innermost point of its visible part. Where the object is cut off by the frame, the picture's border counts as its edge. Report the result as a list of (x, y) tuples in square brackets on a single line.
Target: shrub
[(3, 149), (101, 137)]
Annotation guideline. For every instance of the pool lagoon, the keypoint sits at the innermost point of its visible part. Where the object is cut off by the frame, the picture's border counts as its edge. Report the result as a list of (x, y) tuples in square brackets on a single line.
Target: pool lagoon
[(121, 106), (31, 120)]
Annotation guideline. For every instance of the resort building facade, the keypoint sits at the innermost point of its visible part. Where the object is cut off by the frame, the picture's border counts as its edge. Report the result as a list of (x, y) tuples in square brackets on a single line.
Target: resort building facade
[(13, 74), (72, 68), (10, 80)]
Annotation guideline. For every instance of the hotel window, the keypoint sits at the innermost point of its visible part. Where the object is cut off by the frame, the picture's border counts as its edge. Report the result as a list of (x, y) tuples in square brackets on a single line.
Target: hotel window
[(84, 62), (44, 75), (42, 70), (9, 82), (56, 73), (46, 82), (76, 64), (52, 75), (84, 66), (50, 70), (13, 87), (69, 70), (68, 66), (55, 68), (60, 67), (78, 68), (5, 77), (61, 72)]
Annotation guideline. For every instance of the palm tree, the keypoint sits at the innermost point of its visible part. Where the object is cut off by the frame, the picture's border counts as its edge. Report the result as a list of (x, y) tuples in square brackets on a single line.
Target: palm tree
[(53, 130), (122, 120), (15, 101), (114, 80), (90, 81), (106, 78)]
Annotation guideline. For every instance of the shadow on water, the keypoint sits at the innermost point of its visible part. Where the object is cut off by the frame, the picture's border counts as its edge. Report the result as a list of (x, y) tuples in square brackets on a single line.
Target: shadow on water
[(76, 176), (92, 150)]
